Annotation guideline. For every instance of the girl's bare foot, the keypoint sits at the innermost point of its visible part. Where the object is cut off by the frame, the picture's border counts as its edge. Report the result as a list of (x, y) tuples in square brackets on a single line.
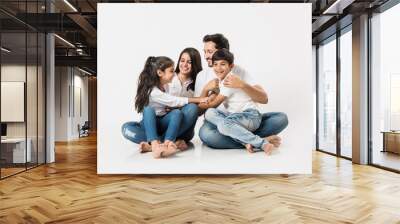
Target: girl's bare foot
[(268, 148), (274, 140), (144, 147), (249, 148), (181, 145)]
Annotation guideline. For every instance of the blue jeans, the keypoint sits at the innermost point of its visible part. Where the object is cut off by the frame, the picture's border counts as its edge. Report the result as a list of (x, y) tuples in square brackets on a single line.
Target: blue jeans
[(272, 124), (238, 126), (167, 125), (135, 132)]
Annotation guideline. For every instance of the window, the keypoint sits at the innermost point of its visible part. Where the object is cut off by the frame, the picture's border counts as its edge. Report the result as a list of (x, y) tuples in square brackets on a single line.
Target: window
[(385, 88), (327, 96), (346, 93)]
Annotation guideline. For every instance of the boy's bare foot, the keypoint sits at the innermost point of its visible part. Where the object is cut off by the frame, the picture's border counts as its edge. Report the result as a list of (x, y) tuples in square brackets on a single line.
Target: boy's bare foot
[(274, 140), (144, 147), (249, 148), (181, 145), (268, 148)]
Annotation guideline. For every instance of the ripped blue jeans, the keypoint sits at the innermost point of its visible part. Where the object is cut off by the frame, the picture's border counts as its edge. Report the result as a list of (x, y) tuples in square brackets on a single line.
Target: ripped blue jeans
[(239, 126)]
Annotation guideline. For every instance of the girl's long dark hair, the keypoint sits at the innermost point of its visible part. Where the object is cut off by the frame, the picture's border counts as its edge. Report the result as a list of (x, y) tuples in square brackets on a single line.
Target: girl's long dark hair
[(196, 64), (149, 78)]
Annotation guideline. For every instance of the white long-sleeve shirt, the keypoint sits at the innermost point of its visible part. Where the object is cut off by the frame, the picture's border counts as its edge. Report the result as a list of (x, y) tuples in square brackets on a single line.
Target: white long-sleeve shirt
[(159, 100), (176, 88)]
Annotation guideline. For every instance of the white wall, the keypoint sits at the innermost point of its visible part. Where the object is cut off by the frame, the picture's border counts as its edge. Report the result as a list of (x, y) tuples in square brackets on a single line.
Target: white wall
[(80, 83), (16, 73), (61, 103), (261, 41), (67, 117)]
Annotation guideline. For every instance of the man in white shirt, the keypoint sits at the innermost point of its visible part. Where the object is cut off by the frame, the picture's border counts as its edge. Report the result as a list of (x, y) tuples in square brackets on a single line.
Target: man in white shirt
[(272, 123)]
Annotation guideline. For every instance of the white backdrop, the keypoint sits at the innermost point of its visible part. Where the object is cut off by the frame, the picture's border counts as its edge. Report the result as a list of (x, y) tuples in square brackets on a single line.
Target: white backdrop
[(271, 41)]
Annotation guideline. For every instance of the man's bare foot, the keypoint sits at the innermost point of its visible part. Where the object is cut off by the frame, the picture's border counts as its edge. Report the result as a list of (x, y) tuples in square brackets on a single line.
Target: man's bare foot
[(249, 148), (144, 147), (274, 140), (268, 148), (181, 145)]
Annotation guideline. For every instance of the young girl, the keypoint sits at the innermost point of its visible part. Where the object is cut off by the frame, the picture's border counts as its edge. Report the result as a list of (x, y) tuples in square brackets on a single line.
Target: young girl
[(152, 100)]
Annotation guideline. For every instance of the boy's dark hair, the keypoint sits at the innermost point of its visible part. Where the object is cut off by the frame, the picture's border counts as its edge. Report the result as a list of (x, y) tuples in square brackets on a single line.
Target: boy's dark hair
[(219, 40), (223, 54)]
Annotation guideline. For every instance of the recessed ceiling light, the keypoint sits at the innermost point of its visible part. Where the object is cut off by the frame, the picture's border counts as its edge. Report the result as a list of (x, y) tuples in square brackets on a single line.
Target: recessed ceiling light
[(70, 5), (84, 71), (64, 40), (5, 50), (337, 7)]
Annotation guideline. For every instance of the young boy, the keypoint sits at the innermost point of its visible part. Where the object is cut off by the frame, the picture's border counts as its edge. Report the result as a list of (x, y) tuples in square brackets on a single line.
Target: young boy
[(237, 115)]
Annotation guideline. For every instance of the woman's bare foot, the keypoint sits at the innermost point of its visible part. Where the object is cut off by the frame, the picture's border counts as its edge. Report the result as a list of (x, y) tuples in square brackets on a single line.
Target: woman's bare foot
[(268, 148), (249, 148), (144, 147), (274, 140), (181, 145), (170, 149), (158, 149)]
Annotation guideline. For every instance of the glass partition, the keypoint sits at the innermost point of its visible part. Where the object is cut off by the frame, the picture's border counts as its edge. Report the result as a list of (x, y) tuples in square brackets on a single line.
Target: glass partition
[(14, 153), (22, 63)]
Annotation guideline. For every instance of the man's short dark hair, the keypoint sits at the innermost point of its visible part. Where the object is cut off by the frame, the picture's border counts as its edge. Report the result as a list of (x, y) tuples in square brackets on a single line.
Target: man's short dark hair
[(223, 54), (219, 40)]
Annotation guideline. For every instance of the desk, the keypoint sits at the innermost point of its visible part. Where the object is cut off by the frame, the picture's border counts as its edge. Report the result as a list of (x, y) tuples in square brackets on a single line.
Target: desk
[(391, 141), (13, 150)]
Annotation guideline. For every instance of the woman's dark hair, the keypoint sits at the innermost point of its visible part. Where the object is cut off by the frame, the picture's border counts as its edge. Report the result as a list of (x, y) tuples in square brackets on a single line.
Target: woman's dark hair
[(219, 40), (196, 64), (149, 78), (223, 54)]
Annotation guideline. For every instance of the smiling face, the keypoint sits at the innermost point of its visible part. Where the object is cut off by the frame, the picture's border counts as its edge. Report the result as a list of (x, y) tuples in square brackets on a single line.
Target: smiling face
[(185, 64), (222, 68), (166, 75), (209, 50)]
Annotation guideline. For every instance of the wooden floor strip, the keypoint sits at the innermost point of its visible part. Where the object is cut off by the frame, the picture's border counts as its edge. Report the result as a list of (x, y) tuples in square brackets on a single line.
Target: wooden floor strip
[(70, 191)]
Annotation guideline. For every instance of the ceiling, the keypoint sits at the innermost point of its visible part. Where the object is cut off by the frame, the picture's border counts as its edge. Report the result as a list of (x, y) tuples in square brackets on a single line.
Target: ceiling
[(76, 22)]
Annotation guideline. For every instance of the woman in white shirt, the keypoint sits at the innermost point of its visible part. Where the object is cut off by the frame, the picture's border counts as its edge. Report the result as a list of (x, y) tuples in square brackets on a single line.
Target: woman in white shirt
[(183, 84), (153, 101), (189, 65)]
